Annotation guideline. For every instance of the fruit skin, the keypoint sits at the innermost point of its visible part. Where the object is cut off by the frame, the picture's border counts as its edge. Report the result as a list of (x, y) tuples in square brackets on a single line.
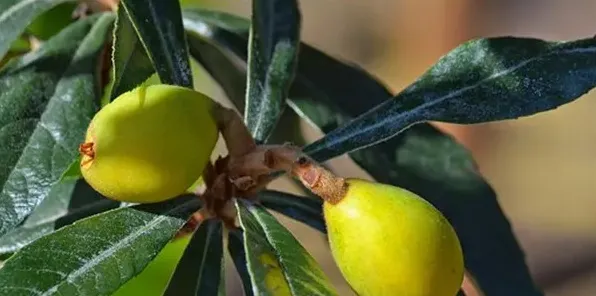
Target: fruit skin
[(150, 144), (389, 241)]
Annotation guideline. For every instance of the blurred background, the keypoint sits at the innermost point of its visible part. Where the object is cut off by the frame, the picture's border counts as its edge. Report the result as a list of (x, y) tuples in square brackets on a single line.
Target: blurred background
[(543, 167)]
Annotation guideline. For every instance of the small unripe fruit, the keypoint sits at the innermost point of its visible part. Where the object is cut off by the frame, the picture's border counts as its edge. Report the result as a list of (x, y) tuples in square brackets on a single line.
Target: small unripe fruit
[(150, 144), (389, 241)]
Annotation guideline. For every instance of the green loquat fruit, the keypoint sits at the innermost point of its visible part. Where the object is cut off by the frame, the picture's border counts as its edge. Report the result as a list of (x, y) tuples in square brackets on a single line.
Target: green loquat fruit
[(389, 241), (150, 144)]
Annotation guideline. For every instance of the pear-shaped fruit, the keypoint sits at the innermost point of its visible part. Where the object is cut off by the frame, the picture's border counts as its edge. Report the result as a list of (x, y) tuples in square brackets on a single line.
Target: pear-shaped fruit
[(150, 144), (389, 241)]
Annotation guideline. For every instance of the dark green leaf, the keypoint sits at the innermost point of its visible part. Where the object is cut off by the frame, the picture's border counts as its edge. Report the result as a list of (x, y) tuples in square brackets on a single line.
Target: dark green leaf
[(52, 21), (3, 258), (18, 47), (16, 15), (73, 171), (96, 255), (479, 81), (159, 27), (276, 261), (229, 74), (153, 280), (238, 254), (131, 65), (215, 20), (198, 272), (222, 280), (21, 45), (273, 49), (47, 99), (68, 201), (304, 209), (423, 160)]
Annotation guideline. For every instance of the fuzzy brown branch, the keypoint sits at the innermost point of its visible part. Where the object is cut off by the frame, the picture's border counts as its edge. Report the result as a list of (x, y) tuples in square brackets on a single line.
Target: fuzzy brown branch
[(238, 139), (267, 159)]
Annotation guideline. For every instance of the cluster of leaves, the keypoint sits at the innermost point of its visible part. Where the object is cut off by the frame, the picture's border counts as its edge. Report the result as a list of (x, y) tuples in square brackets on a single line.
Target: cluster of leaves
[(61, 237)]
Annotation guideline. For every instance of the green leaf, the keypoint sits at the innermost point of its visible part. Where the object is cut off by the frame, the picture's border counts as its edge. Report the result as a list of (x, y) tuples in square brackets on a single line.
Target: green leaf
[(206, 20), (479, 81), (222, 282), (130, 63), (230, 74), (196, 272), (153, 280), (238, 254), (96, 255), (73, 171), (273, 49), (159, 27), (21, 45), (47, 99), (423, 160), (68, 201), (277, 263), (53, 20), (16, 15), (304, 209)]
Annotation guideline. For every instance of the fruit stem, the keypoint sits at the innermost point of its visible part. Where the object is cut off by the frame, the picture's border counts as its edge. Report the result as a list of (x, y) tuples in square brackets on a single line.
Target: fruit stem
[(320, 180), (217, 197), (311, 174), (236, 135), (250, 167)]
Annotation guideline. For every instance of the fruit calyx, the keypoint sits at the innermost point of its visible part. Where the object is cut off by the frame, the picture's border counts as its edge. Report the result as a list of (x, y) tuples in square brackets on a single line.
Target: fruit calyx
[(88, 152), (87, 149)]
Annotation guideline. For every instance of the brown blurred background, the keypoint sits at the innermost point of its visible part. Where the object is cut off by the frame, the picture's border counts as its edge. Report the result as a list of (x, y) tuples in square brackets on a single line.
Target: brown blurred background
[(543, 167)]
